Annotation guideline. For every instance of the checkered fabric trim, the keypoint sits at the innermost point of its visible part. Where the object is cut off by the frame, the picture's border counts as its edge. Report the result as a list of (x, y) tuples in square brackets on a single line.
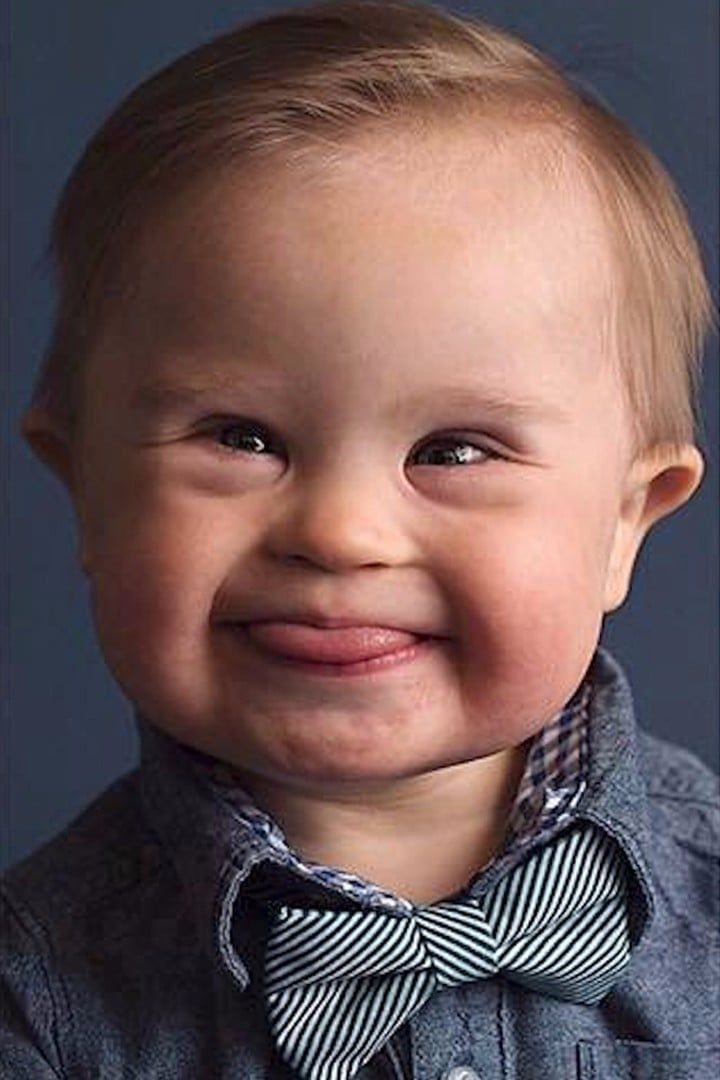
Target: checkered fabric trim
[(552, 784), (555, 774)]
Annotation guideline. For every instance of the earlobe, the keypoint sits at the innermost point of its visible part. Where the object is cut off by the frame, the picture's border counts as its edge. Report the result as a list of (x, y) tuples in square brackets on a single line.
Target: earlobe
[(54, 447), (657, 484), (49, 443)]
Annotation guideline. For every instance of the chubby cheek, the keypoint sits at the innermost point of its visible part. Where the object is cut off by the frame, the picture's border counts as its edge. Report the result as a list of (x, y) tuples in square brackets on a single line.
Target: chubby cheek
[(530, 614), (153, 579)]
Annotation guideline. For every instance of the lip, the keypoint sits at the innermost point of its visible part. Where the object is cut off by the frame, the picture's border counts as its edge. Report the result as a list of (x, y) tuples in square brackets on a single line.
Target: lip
[(339, 645), (310, 618), (389, 660)]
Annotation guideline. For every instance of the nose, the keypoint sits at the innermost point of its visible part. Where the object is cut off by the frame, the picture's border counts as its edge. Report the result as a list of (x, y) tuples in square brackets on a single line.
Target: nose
[(338, 520)]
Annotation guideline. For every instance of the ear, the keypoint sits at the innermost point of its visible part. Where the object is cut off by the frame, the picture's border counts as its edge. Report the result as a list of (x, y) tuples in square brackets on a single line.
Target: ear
[(53, 444), (50, 442), (657, 483)]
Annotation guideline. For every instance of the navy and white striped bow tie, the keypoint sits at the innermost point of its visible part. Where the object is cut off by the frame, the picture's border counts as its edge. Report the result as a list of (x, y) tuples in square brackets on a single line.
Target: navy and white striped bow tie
[(339, 983)]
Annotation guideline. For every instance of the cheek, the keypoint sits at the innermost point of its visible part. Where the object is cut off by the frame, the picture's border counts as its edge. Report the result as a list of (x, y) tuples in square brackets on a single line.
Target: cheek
[(529, 604), (531, 566), (153, 574)]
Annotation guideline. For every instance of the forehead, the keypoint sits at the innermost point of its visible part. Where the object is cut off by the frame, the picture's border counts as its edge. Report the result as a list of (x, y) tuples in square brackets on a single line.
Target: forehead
[(452, 245)]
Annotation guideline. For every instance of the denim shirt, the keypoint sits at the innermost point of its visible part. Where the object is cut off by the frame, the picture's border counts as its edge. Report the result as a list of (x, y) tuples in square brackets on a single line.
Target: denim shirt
[(129, 951)]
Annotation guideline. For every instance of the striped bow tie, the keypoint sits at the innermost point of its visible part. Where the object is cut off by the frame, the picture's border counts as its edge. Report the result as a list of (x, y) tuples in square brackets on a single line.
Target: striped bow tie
[(339, 983)]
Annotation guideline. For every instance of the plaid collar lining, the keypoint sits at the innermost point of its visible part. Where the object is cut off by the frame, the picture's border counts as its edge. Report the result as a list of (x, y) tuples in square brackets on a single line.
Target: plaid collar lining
[(555, 773)]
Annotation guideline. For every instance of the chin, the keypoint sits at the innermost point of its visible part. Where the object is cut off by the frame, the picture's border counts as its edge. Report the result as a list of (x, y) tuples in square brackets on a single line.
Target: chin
[(350, 769)]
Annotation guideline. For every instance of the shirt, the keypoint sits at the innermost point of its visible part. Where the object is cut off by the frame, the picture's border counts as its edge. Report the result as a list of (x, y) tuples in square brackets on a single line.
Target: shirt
[(131, 946)]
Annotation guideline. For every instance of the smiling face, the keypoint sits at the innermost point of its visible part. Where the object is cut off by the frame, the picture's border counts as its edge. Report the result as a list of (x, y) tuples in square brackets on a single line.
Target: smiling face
[(408, 415)]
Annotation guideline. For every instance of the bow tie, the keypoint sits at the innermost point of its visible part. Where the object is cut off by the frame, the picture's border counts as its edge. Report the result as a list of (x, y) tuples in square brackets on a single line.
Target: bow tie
[(339, 983)]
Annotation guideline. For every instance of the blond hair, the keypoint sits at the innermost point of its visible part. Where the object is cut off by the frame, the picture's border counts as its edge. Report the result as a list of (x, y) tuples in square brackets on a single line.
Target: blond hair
[(307, 79)]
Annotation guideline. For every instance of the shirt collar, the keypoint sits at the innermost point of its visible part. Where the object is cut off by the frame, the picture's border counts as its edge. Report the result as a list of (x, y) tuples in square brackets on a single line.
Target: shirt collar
[(214, 846)]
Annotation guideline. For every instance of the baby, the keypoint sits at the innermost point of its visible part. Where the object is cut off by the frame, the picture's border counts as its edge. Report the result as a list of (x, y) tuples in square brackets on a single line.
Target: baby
[(374, 365)]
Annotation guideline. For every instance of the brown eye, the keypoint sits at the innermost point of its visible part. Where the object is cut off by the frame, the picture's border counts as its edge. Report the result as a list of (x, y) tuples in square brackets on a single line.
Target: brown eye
[(233, 437), (452, 451)]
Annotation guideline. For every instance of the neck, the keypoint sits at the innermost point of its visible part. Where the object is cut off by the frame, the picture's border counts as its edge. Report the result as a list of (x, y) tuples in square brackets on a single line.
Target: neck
[(421, 837)]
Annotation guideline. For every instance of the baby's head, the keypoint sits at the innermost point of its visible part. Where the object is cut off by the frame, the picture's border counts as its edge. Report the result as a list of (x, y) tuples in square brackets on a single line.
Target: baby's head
[(299, 271)]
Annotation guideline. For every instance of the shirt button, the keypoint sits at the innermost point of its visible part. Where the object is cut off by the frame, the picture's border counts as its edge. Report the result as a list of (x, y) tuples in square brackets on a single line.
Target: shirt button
[(461, 1072)]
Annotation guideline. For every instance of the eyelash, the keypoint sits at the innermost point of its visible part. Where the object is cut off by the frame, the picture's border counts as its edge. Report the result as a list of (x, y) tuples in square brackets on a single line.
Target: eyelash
[(448, 441)]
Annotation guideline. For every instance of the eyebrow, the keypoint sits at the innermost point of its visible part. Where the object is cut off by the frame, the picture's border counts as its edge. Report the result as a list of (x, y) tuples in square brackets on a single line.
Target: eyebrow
[(163, 398), (159, 398), (496, 403)]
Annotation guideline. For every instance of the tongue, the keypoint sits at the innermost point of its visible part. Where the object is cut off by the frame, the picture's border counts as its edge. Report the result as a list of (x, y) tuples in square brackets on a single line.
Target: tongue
[(342, 645)]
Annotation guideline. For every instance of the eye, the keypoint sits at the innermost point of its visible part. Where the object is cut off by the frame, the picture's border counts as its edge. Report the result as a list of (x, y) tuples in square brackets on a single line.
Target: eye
[(233, 437), (452, 450)]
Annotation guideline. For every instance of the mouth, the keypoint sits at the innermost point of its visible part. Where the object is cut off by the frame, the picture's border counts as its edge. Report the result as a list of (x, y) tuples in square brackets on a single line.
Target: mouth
[(346, 651)]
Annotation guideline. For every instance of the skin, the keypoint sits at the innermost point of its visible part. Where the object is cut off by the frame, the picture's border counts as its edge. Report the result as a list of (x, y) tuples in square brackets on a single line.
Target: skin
[(362, 297)]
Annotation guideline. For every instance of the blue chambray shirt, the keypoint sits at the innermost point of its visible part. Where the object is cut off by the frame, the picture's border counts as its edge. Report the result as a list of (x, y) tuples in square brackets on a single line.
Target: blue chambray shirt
[(130, 950)]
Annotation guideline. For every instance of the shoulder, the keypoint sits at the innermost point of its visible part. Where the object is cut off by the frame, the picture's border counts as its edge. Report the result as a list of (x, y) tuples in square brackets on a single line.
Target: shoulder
[(60, 907), (683, 792), (54, 899), (106, 848), (683, 846), (674, 772)]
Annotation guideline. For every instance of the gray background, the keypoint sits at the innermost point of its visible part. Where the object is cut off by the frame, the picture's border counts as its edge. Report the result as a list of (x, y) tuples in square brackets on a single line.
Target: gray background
[(67, 728)]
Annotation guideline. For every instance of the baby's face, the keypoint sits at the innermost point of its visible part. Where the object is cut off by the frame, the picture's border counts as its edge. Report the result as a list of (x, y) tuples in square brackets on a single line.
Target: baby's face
[(405, 416)]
